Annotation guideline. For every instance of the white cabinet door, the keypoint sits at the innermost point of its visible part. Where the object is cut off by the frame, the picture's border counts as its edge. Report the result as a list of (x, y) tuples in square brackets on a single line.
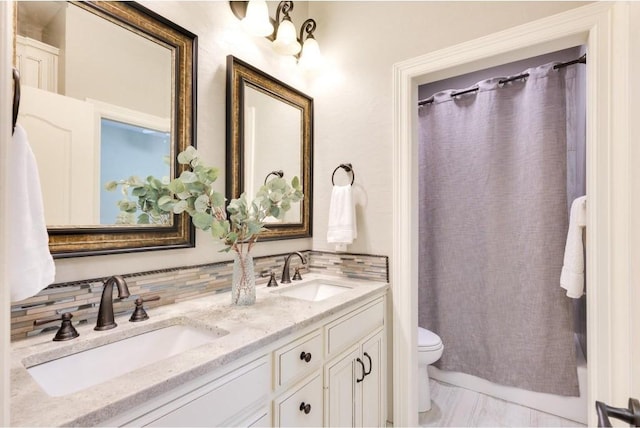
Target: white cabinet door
[(356, 385), (373, 385), (341, 389)]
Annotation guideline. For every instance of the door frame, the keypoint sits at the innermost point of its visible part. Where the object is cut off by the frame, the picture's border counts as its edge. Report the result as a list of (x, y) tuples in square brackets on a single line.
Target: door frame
[(604, 28), (6, 92)]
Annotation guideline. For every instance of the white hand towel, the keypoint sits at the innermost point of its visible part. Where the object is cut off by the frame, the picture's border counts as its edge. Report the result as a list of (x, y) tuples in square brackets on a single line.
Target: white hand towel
[(342, 228), (572, 276), (30, 265)]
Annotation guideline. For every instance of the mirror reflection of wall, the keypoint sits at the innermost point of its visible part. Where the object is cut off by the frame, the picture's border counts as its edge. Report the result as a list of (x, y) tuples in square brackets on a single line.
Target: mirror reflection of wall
[(273, 142), (71, 62)]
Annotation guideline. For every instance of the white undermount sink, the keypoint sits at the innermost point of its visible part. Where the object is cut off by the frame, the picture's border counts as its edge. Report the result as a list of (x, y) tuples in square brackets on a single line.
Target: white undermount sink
[(78, 371), (314, 290)]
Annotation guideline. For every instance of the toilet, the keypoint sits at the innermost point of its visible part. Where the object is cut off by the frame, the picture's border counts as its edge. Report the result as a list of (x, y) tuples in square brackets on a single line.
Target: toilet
[(429, 351)]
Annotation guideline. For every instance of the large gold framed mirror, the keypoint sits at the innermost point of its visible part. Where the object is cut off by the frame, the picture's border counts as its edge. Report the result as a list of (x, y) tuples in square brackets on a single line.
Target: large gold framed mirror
[(108, 92), (269, 132)]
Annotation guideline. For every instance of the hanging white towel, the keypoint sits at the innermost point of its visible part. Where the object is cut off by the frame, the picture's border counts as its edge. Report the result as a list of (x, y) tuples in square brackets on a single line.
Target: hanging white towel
[(572, 276), (30, 265), (342, 218)]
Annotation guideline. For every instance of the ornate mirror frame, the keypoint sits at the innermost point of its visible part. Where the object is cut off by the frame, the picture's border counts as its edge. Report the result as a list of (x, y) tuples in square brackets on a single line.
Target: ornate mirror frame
[(86, 241), (239, 74)]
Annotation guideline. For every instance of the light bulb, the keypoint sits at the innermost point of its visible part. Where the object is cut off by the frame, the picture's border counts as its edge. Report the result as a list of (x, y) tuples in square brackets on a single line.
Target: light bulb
[(311, 57), (256, 21), (286, 42)]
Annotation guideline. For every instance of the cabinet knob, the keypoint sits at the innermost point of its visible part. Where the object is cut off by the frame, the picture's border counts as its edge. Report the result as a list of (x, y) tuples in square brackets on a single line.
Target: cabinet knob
[(306, 408), (305, 356)]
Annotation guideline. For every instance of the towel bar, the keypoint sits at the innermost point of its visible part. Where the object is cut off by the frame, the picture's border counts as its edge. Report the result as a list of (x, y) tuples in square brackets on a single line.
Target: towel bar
[(348, 168), (279, 173)]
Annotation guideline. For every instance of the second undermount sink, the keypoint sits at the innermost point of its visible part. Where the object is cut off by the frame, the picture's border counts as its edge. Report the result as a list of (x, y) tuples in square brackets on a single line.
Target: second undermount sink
[(314, 290), (79, 371)]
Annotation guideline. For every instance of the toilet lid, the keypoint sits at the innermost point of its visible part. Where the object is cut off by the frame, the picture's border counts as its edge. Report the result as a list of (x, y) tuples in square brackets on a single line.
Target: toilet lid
[(428, 339)]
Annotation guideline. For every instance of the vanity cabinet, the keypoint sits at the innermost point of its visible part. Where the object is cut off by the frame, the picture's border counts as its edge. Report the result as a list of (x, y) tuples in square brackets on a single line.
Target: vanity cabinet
[(331, 373), (235, 399), (355, 379)]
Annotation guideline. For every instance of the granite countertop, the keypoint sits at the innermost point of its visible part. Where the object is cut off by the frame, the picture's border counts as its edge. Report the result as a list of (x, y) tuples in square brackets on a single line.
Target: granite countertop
[(250, 328)]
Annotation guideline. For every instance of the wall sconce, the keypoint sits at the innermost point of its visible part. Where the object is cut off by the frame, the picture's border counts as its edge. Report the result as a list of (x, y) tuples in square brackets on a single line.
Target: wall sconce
[(255, 19)]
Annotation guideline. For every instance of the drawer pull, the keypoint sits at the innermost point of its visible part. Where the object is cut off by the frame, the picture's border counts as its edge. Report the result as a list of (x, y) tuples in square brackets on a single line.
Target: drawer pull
[(305, 356), (364, 372), (306, 408), (370, 365)]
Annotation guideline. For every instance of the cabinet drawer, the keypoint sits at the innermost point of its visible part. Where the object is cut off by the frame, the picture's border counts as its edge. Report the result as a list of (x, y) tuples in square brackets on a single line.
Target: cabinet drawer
[(302, 407), (291, 360), (352, 327), (218, 402)]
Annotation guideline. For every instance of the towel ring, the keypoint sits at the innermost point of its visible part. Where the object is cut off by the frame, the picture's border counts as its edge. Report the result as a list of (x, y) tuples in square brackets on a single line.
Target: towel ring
[(348, 168), (279, 173), (16, 98)]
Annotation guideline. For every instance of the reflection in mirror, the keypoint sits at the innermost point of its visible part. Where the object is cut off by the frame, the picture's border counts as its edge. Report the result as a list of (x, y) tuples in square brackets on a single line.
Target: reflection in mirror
[(269, 130), (272, 142), (126, 148), (108, 92), (85, 75)]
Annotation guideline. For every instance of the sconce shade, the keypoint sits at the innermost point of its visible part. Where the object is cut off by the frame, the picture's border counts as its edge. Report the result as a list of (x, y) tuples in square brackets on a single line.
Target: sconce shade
[(286, 42), (310, 58), (256, 21)]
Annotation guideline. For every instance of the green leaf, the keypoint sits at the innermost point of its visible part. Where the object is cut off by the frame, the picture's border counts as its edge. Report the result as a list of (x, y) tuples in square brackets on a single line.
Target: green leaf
[(218, 229), (111, 186), (276, 196), (202, 220), (217, 199), (177, 186), (187, 155), (143, 218), (188, 177), (179, 207), (138, 191), (166, 203), (201, 204), (295, 183)]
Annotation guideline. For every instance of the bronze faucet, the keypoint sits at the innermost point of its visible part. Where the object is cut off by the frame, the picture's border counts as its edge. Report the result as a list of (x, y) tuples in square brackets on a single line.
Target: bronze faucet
[(105, 313), (286, 276)]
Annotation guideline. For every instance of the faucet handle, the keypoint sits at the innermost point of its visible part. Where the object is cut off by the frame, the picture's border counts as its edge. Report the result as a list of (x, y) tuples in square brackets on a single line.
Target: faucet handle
[(296, 275), (272, 278), (139, 314), (66, 331)]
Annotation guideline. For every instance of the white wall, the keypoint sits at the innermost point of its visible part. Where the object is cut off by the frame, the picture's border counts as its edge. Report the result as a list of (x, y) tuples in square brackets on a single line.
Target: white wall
[(353, 115), (219, 34), (353, 109)]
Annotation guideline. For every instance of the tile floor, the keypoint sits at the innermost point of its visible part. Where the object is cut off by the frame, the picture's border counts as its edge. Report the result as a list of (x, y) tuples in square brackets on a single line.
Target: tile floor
[(458, 407)]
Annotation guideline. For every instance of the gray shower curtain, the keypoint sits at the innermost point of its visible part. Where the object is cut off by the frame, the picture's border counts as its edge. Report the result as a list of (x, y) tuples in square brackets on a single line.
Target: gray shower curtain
[(493, 223)]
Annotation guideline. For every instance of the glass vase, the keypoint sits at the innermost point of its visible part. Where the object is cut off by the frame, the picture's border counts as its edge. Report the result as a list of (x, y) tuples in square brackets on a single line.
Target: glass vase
[(243, 285)]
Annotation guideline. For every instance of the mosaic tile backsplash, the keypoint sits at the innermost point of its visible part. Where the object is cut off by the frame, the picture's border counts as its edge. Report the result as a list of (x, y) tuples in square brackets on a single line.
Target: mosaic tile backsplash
[(175, 285)]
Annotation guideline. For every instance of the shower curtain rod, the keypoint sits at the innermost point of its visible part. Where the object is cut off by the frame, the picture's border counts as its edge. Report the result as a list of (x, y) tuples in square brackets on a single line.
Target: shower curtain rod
[(581, 60)]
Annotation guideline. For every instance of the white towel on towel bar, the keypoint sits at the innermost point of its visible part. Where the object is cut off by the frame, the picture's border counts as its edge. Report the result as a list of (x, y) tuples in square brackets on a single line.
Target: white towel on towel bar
[(342, 228), (572, 276), (30, 266)]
